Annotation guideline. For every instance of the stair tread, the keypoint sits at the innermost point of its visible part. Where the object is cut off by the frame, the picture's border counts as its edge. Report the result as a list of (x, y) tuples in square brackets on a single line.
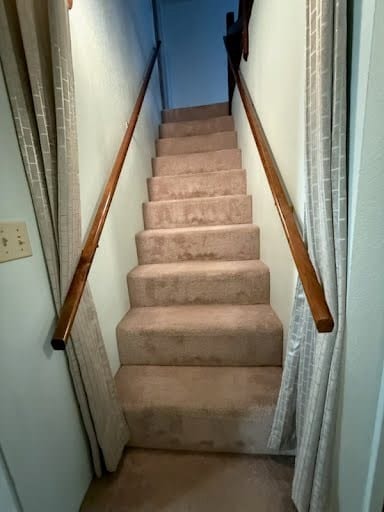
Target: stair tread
[(187, 175), (202, 184), (195, 112), (203, 335), (198, 126), (205, 136), (194, 163), (203, 106), (195, 211), (204, 268), (203, 154), (199, 390), (195, 122), (169, 146), (147, 233), (212, 319), (197, 200), (221, 242)]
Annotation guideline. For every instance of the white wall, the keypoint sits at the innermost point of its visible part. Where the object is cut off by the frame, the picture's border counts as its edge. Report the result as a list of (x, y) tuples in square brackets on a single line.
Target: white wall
[(112, 43), (41, 435), (359, 464), (195, 62), (275, 75), (8, 498)]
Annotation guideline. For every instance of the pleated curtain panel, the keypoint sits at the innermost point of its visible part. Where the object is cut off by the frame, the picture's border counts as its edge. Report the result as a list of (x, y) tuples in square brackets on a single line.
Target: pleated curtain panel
[(35, 53), (307, 406)]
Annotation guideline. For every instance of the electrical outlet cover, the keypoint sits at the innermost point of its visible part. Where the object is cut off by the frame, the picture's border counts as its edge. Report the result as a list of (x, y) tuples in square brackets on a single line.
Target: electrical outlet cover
[(14, 241)]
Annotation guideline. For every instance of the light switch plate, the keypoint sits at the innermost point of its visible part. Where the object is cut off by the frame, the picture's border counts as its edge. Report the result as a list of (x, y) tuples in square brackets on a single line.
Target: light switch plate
[(14, 241)]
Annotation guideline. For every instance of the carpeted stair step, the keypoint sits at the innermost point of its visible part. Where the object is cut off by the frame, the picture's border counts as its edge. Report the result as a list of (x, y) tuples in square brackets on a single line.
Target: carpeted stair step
[(201, 347), (222, 160), (207, 211), (213, 335), (199, 127), (196, 143), (222, 409), (195, 113), (204, 184), (199, 282), (229, 243)]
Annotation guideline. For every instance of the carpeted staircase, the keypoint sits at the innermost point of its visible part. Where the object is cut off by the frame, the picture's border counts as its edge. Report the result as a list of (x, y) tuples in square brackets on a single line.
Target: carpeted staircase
[(201, 348)]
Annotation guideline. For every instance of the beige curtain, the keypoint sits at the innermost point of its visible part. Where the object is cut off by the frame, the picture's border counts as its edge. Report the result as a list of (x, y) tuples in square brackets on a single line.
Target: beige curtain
[(35, 55), (307, 407)]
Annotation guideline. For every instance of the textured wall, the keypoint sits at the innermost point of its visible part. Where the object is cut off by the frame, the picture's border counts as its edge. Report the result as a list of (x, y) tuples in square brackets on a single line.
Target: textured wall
[(112, 42), (358, 480), (275, 75), (40, 429), (195, 59)]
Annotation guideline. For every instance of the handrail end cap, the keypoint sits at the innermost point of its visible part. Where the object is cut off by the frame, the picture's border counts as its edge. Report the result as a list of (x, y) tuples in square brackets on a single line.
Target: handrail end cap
[(325, 324), (58, 344)]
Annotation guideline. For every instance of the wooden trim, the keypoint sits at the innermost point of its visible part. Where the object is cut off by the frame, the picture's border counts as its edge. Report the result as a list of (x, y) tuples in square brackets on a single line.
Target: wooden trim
[(245, 36), (76, 288), (230, 20), (311, 285), (244, 13), (158, 36)]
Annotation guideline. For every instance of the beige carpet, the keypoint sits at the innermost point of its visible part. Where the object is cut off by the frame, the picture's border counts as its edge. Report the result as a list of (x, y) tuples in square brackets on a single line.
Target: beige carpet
[(201, 347), (162, 481)]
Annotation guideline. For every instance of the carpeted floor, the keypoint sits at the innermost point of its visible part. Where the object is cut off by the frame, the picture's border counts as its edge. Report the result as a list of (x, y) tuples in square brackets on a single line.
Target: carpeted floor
[(161, 481)]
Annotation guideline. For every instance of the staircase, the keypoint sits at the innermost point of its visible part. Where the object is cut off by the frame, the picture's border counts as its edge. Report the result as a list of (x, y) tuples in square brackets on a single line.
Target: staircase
[(200, 348)]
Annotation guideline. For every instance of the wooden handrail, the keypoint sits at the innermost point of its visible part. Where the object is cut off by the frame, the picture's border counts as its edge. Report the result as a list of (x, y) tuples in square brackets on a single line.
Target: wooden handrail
[(230, 20), (72, 300), (311, 285)]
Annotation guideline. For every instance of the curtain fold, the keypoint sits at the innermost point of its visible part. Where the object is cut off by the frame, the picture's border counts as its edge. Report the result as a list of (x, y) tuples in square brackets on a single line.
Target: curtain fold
[(307, 406), (35, 53)]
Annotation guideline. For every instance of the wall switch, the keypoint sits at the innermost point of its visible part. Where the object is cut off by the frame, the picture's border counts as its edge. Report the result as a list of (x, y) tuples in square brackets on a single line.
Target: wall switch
[(14, 241)]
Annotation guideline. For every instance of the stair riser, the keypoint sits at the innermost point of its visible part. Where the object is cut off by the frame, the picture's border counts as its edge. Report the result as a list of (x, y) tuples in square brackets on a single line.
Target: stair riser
[(204, 184), (193, 350), (199, 408), (198, 245), (204, 212), (171, 430), (195, 113), (223, 160), (196, 144), (199, 288), (187, 129)]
